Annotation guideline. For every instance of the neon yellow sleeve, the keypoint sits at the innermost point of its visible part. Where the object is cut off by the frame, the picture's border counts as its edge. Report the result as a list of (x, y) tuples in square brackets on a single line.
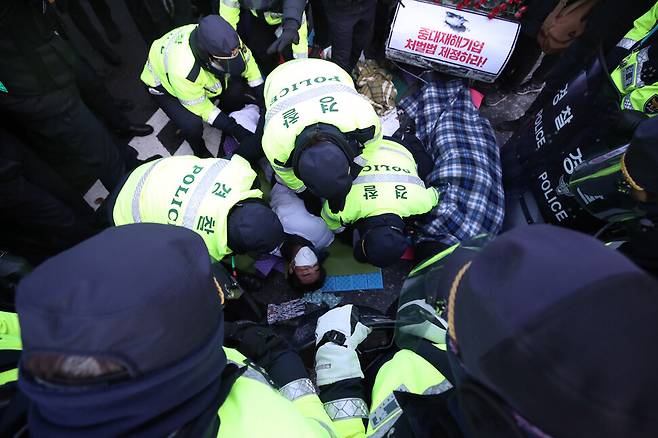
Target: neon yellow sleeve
[(644, 24), (229, 10), (332, 220), (252, 72), (300, 50)]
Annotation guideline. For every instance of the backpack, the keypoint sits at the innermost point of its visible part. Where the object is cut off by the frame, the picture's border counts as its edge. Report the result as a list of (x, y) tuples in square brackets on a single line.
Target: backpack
[(563, 25)]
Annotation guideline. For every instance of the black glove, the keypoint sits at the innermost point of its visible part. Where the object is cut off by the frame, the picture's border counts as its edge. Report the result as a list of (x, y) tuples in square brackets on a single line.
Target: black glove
[(259, 94), (336, 204), (231, 127), (258, 343), (289, 36), (312, 203), (239, 132)]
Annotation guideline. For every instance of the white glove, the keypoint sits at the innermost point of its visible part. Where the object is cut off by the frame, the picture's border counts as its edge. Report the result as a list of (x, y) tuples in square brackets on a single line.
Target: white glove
[(339, 332), (419, 319)]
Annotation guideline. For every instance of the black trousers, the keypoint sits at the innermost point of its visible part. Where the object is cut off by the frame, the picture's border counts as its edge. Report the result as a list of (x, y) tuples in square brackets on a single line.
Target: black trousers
[(258, 36), (383, 21), (67, 136), (83, 22), (524, 58), (351, 28), (233, 98), (41, 215)]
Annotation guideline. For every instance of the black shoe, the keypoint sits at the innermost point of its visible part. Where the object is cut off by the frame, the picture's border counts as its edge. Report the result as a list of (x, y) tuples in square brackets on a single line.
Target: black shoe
[(124, 105), (136, 130), (509, 125)]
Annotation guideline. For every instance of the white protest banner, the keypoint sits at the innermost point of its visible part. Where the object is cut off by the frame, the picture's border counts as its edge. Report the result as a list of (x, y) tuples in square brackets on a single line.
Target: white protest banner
[(461, 42)]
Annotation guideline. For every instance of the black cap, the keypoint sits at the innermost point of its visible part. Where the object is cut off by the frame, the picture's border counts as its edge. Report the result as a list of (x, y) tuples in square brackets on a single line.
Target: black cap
[(381, 240), (120, 293), (215, 36), (563, 329), (253, 227), (324, 168), (641, 158)]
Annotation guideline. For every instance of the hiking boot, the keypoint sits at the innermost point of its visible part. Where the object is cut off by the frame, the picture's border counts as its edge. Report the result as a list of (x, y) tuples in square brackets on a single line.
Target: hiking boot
[(529, 87), (495, 98)]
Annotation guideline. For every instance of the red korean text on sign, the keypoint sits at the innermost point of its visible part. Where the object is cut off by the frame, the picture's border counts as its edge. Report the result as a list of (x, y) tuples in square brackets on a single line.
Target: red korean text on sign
[(451, 47)]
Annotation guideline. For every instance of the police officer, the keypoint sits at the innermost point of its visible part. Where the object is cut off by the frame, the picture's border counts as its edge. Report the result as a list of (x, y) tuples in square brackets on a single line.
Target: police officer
[(270, 28), (531, 350), (193, 64), (213, 197), (636, 76), (387, 191), (351, 26), (315, 127), (128, 342), (38, 93)]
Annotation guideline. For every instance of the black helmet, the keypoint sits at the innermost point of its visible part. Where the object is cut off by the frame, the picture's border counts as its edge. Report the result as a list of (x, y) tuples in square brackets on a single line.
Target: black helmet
[(253, 227), (381, 240), (217, 46), (323, 159)]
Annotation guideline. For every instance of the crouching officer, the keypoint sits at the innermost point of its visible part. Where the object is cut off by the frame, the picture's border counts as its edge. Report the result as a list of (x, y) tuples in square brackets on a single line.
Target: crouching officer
[(213, 197), (269, 27), (524, 346), (132, 346), (316, 125), (387, 191), (192, 64), (636, 76)]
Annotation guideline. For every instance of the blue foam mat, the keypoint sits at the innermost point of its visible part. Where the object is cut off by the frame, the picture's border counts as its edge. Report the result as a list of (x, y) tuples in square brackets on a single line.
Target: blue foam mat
[(354, 282)]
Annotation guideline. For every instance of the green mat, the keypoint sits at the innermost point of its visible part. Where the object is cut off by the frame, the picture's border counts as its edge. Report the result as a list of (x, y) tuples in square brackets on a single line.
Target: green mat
[(342, 262)]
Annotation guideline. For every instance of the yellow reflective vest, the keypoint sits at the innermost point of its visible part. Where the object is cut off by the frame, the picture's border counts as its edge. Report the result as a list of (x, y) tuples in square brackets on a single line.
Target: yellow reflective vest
[(405, 372), (10, 339), (388, 183), (190, 192), (171, 64), (254, 408), (302, 92), (229, 10), (637, 95)]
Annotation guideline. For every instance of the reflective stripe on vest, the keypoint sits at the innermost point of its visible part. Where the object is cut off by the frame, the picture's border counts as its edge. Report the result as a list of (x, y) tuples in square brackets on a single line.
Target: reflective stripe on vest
[(389, 178), (137, 217), (297, 388), (156, 79), (408, 372), (626, 43), (165, 59), (346, 408), (200, 192), (285, 103), (390, 408), (252, 373)]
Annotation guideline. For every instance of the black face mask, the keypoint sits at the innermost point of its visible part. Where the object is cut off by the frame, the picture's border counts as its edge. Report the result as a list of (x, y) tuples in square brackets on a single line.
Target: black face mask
[(231, 67)]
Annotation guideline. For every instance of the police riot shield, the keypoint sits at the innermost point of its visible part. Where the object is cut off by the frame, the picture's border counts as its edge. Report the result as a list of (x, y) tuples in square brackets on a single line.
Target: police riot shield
[(539, 158), (600, 187), (424, 296)]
